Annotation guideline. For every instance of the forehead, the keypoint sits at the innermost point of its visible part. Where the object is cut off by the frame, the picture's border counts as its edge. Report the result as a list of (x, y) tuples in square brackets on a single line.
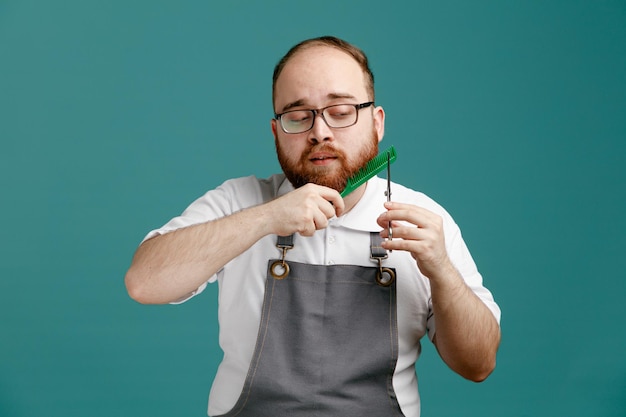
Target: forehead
[(316, 74)]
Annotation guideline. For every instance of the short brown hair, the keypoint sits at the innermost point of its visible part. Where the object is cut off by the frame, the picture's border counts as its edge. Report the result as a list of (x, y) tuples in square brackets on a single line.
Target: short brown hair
[(334, 42)]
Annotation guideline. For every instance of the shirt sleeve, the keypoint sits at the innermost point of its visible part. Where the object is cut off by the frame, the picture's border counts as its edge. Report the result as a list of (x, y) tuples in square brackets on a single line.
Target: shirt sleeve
[(462, 259), (212, 205), (231, 196)]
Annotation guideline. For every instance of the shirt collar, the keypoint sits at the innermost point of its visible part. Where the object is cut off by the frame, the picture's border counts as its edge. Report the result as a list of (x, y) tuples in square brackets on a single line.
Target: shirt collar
[(363, 215)]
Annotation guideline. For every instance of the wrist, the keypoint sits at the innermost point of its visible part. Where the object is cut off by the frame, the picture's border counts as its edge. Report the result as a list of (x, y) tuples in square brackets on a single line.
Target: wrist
[(445, 275)]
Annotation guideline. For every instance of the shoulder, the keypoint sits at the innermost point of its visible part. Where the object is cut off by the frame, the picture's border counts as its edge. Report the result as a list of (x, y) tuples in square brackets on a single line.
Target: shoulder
[(249, 190), (234, 195), (252, 182), (231, 196)]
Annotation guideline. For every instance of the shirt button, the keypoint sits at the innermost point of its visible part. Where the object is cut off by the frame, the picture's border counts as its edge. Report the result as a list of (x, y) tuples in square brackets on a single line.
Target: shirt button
[(331, 262), (331, 240)]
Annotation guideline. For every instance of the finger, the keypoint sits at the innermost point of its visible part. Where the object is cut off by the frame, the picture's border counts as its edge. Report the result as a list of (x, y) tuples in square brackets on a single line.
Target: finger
[(416, 215), (334, 198), (397, 218), (416, 249), (383, 221), (327, 208), (406, 216), (399, 245), (394, 205), (308, 230), (320, 220), (412, 233), (402, 231)]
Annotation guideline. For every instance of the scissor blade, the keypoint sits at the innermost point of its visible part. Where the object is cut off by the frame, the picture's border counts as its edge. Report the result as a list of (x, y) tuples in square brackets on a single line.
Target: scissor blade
[(388, 177), (390, 232)]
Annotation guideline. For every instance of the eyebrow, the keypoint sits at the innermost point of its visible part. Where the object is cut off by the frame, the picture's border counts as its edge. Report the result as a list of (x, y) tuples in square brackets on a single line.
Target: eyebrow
[(302, 102)]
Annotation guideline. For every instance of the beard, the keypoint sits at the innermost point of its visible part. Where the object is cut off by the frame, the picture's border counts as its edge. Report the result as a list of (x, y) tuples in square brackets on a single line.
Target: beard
[(302, 172)]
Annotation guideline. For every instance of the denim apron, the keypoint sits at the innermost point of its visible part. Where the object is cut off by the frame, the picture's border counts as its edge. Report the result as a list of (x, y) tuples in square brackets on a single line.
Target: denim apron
[(327, 343)]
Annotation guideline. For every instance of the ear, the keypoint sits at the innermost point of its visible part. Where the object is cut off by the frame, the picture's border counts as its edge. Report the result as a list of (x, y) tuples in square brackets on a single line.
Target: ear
[(274, 126), (379, 122)]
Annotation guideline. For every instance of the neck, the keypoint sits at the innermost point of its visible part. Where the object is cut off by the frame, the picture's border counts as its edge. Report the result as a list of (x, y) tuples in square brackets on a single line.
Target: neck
[(354, 197)]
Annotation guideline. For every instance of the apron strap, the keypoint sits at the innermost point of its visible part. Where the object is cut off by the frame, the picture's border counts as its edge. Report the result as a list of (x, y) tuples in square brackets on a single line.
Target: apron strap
[(376, 250), (280, 269), (285, 242), (384, 276)]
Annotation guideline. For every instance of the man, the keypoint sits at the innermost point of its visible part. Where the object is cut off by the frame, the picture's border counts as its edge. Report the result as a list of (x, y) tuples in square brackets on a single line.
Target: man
[(329, 322)]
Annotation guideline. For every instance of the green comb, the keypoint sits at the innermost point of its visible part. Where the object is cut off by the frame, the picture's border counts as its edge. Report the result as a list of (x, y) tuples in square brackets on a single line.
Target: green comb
[(372, 168)]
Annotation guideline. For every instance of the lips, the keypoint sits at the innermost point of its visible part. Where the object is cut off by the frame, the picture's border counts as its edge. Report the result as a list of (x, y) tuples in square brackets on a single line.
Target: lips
[(322, 158)]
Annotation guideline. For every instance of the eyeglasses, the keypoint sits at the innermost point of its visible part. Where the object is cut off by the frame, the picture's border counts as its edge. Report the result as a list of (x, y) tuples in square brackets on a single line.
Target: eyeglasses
[(336, 116)]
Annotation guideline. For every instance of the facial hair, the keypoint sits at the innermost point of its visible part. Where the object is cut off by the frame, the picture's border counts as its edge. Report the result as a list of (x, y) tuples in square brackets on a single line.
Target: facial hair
[(302, 172)]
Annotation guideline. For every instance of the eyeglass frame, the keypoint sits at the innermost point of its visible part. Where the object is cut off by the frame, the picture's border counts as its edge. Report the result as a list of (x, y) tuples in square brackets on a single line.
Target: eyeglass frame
[(357, 107)]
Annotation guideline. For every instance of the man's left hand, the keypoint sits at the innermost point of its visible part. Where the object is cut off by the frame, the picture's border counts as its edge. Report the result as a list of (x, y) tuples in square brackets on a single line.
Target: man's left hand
[(418, 231)]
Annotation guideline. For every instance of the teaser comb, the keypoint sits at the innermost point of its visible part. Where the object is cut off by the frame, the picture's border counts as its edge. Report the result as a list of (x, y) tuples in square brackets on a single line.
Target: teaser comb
[(373, 167)]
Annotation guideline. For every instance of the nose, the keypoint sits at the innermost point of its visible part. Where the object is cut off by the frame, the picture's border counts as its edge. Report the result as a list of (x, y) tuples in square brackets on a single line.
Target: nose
[(320, 132)]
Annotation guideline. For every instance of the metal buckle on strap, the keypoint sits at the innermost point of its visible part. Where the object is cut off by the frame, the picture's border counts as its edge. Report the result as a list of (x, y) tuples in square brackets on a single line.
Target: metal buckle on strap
[(384, 276), (280, 269)]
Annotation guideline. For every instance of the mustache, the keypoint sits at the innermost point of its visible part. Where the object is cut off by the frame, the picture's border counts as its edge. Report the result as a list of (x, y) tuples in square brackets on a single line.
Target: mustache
[(324, 147)]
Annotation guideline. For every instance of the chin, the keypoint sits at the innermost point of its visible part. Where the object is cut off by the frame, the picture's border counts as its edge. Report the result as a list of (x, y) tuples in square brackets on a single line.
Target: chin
[(303, 172)]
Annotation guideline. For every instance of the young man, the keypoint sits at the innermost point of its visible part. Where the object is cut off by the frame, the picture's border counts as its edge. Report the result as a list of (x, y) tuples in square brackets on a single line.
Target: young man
[(308, 325)]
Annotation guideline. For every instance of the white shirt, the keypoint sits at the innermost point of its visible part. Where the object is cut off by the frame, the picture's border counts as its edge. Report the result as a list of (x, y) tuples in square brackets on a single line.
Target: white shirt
[(345, 241)]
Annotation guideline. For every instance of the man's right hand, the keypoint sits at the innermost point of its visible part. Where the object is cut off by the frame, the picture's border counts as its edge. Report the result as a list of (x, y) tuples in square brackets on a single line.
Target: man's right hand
[(304, 210)]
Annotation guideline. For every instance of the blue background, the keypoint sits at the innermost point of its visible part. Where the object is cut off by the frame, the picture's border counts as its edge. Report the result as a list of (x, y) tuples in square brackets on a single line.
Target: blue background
[(115, 115)]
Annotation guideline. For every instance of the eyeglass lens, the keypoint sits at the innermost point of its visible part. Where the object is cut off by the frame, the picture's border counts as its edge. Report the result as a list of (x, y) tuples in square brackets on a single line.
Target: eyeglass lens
[(297, 121)]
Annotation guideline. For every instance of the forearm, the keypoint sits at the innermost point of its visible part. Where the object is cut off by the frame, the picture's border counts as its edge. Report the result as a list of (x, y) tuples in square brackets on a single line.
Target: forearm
[(467, 334), (168, 267)]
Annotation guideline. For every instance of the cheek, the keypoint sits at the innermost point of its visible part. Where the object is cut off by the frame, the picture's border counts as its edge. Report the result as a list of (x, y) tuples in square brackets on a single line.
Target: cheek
[(289, 147)]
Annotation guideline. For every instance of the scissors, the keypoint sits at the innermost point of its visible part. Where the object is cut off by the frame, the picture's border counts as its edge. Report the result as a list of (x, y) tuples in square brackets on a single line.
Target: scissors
[(388, 192)]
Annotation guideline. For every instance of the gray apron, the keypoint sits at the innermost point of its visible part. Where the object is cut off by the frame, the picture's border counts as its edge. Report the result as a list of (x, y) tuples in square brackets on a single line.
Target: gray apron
[(327, 343)]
